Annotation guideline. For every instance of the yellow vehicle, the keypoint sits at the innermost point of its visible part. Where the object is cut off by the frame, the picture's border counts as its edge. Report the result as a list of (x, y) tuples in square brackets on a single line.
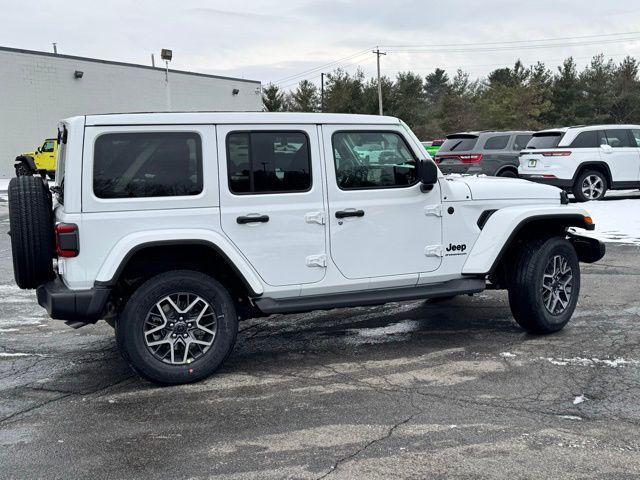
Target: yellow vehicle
[(43, 160)]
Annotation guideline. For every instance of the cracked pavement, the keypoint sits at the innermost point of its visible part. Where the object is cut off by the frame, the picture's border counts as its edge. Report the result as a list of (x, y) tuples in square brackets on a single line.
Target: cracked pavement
[(414, 390)]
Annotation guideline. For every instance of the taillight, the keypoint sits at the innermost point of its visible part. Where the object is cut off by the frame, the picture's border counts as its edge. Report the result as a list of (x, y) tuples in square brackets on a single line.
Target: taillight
[(437, 159), (473, 158), (559, 153), (67, 240)]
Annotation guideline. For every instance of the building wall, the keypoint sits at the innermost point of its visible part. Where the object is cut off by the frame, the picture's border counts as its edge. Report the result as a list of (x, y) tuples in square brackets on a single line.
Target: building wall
[(37, 90)]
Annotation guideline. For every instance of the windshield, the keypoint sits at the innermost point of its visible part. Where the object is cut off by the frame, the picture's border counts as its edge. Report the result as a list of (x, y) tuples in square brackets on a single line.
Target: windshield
[(458, 144), (544, 140)]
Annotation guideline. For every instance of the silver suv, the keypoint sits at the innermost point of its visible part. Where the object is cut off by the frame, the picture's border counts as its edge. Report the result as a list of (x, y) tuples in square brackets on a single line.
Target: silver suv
[(490, 153)]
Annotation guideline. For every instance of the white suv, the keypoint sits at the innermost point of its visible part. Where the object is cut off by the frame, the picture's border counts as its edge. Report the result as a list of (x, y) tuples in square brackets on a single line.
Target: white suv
[(173, 226), (584, 160)]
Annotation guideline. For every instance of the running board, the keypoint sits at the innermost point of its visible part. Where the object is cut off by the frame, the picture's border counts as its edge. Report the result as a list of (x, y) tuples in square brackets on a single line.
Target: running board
[(302, 304)]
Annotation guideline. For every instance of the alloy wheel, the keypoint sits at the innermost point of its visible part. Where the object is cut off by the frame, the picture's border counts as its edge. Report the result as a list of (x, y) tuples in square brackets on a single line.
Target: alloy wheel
[(180, 328), (557, 285), (592, 187)]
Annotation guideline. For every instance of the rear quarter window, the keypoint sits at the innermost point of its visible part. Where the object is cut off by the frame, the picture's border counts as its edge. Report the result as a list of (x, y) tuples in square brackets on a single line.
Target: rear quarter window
[(458, 144), (153, 164), (498, 142), (591, 139)]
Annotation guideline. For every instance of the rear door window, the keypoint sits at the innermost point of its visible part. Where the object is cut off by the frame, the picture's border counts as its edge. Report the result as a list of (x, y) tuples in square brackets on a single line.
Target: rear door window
[(590, 139), (268, 162), (154, 164), (635, 133), (618, 138), (520, 142), (544, 140), (459, 144), (498, 142)]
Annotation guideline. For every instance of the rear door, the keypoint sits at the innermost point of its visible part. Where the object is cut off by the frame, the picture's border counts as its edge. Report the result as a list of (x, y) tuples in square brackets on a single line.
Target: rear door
[(622, 155), (495, 154), (271, 199)]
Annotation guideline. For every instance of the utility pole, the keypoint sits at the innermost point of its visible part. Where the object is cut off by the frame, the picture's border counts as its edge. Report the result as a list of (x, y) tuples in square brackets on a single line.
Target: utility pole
[(322, 92), (55, 48), (378, 54)]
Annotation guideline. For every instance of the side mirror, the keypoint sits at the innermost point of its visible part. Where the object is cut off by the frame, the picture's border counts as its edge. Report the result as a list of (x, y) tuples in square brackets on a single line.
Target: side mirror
[(428, 174)]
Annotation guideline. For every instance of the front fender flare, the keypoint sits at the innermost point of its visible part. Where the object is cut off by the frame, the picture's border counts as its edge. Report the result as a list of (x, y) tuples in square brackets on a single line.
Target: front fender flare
[(503, 226), (129, 245)]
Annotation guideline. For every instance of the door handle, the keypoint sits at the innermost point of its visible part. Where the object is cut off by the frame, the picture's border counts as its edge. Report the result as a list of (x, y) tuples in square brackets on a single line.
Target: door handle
[(252, 219), (349, 213)]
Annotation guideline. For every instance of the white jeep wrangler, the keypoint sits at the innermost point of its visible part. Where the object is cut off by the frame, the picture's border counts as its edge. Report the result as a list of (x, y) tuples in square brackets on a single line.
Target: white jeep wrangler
[(173, 226)]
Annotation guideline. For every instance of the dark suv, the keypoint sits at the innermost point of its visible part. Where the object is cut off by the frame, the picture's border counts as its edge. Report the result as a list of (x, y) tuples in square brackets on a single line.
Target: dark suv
[(490, 153)]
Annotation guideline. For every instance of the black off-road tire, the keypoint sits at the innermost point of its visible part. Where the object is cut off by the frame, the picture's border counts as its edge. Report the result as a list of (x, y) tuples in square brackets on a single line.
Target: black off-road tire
[(526, 290), (31, 230), (130, 324), (577, 187)]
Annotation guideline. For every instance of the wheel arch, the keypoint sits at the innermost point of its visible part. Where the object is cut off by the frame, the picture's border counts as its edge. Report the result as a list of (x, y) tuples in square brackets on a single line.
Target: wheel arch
[(505, 230), (600, 166), (505, 168), (178, 251)]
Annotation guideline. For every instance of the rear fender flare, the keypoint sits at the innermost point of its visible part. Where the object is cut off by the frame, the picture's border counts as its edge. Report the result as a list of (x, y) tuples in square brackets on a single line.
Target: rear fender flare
[(28, 161), (129, 245)]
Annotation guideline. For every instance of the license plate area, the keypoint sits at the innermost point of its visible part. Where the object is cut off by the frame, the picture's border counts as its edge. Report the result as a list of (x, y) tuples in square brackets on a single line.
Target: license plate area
[(533, 163)]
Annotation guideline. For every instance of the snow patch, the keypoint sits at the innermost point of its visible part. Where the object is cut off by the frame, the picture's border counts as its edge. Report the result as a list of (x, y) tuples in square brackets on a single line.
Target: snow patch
[(579, 399), (7, 330), (570, 417), (390, 333), (616, 220), (507, 355), (592, 362), (18, 354)]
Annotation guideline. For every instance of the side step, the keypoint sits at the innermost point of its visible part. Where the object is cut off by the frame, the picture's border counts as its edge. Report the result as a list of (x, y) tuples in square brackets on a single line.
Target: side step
[(461, 286)]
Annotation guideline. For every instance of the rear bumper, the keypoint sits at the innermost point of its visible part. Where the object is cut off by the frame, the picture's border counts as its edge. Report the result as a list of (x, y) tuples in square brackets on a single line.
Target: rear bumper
[(556, 182), (63, 303)]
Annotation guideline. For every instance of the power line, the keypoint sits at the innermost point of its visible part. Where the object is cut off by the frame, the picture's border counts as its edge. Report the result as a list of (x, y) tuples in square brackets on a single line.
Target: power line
[(512, 47), (512, 41), (320, 67)]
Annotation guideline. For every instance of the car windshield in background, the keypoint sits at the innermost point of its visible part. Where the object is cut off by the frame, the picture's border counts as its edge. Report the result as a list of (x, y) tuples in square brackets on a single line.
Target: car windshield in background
[(458, 144), (544, 140)]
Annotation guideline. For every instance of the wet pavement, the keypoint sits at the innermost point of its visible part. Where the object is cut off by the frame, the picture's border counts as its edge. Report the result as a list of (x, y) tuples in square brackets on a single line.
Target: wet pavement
[(413, 390)]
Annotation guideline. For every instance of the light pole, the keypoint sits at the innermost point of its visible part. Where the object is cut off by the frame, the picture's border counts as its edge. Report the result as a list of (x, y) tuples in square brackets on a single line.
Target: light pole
[(167, 55)]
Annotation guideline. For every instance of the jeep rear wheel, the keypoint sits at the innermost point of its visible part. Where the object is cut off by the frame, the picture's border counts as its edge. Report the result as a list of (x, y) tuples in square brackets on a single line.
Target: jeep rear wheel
[(178, 327), (545, 285), (590, 185), (31, 230)]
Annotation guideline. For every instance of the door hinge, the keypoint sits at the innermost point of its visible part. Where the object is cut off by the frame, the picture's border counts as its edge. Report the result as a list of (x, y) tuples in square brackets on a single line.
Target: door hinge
[(315, 217), (317, 261), (434, 251), (435, 210)]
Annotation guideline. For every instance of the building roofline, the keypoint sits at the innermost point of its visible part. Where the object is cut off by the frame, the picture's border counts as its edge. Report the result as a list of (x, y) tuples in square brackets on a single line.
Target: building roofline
[(121, 64)]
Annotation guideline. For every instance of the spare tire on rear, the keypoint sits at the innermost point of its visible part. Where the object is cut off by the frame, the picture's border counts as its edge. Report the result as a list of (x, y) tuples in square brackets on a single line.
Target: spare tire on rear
[(31, 230)]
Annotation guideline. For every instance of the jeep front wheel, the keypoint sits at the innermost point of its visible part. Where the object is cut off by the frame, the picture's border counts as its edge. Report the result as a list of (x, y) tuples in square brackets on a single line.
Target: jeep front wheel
[(545, 285), (178, 327)]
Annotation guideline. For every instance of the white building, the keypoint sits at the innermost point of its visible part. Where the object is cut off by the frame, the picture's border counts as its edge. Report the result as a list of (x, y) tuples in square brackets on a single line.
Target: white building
[(37, 89)]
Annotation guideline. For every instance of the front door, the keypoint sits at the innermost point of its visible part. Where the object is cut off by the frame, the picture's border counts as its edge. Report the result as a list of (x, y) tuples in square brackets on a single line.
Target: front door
[(271, 199), (380, 222)]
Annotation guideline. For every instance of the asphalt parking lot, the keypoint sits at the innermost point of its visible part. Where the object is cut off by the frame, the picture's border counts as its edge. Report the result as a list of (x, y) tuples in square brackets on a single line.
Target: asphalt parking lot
[(412, 390)]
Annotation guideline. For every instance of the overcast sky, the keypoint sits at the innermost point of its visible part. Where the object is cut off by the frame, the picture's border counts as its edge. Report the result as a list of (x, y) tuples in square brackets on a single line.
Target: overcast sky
[(271, 40)]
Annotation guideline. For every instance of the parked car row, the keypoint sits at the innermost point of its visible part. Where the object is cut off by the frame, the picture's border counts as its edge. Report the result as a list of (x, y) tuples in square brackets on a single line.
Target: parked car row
[(583, 160)]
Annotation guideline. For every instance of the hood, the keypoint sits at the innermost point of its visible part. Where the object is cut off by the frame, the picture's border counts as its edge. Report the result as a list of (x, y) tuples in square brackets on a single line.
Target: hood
[(498, 188)]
